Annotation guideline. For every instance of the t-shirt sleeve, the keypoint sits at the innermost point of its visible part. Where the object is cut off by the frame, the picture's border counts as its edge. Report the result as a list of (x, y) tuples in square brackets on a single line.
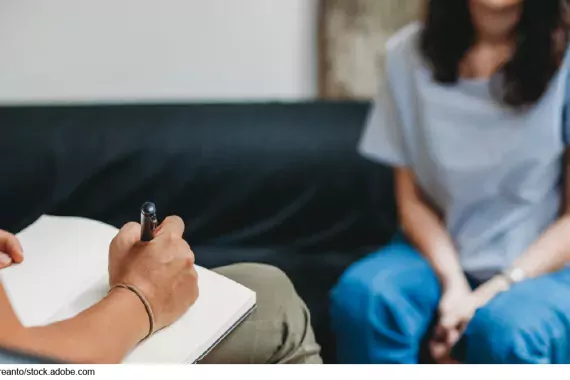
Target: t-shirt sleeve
[(566, 127), (566, 116), (383, 136), (566, 102)]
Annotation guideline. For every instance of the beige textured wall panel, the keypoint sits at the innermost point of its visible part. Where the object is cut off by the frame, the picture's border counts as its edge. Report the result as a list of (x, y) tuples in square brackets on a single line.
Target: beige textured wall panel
[(353, 35)]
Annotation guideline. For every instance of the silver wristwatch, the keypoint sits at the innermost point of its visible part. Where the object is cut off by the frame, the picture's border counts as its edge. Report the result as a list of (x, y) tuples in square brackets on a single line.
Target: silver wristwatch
[(514, 275)]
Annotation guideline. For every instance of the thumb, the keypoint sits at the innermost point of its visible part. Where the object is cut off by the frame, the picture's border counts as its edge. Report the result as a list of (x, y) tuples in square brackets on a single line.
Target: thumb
[(128, 235), (10, 245)]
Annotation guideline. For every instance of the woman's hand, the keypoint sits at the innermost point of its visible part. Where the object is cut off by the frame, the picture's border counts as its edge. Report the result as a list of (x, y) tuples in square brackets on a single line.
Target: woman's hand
[(10, 250), (163, 269), (457, 307)]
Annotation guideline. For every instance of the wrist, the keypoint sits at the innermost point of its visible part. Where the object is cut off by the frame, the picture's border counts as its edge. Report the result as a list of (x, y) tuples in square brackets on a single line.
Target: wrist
[(455, 281), (133, 307), (488, 290)]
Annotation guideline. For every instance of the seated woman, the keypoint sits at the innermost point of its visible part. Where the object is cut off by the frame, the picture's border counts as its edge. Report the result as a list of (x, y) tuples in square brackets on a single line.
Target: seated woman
[(470, 114), (278, 331)]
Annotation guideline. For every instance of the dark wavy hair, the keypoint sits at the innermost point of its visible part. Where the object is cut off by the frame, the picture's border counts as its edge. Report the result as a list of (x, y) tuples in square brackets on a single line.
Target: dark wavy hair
[(449, 33)]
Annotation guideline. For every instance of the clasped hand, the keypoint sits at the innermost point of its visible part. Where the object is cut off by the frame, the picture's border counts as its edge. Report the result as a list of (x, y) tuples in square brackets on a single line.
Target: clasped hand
[(456, 309)]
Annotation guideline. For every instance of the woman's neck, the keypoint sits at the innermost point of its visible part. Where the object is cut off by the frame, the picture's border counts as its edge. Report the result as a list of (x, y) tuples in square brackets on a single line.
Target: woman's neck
[(495, 39), (486, 57)]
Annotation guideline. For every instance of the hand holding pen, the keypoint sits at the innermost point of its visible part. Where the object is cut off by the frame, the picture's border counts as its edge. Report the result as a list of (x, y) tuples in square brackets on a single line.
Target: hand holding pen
[(160, 274)]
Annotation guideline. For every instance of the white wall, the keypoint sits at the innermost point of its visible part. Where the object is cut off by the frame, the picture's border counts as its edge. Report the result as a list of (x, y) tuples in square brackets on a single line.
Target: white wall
[(125, 50)]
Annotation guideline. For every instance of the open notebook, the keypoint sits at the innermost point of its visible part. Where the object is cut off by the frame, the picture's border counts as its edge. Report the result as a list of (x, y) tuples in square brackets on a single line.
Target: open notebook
[(65, 272)]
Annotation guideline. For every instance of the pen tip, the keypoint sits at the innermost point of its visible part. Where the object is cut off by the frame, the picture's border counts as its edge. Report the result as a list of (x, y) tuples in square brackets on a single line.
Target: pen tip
[(148, 208)]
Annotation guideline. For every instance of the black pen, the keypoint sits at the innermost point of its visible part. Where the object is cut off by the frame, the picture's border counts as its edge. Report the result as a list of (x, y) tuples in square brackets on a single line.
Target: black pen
[(149, 221)]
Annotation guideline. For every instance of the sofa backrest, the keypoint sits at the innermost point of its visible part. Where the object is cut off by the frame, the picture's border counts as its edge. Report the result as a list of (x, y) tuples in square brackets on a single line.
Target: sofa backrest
[(239, 174)]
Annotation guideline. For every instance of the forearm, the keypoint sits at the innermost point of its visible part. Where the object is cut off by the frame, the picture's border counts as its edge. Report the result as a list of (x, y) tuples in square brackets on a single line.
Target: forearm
[(422, 226), (550, 252), (104, 333), (426, 231)]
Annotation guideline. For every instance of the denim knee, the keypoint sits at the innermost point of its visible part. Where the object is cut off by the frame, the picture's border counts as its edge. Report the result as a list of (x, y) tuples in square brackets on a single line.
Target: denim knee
[(357, 293), (394, 290), (495, 336), (360, 294)]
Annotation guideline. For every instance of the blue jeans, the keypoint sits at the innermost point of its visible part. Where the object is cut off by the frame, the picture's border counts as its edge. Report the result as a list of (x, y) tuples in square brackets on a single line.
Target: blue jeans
[(384, 305)]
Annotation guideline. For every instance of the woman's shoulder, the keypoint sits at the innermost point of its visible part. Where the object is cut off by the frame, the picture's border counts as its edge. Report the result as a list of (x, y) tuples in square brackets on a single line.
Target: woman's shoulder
[(404, 44), (402, 49)]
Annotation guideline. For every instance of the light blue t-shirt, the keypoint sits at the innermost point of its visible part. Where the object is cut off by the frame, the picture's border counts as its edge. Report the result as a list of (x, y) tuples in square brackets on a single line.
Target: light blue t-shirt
[(494, 174)]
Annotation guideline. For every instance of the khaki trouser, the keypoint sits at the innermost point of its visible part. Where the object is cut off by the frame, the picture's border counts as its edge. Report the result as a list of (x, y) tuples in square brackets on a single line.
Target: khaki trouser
[(278, 331)]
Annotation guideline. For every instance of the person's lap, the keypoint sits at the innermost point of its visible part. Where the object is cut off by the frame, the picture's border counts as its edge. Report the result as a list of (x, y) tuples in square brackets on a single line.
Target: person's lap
[(384, 305), (278, 331), (528, 324)]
